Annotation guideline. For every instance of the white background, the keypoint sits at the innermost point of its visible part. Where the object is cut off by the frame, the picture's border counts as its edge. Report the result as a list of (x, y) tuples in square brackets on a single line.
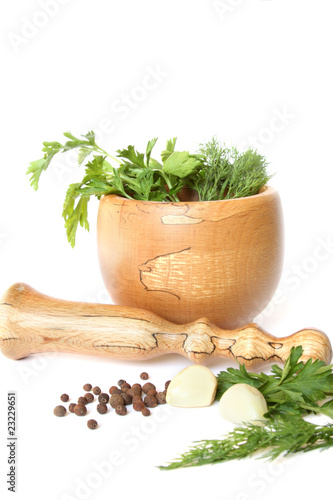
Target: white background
[(251, 72)]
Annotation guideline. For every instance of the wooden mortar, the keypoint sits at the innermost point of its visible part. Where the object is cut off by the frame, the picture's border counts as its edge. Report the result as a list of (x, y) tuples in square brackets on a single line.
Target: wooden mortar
[(182, 261)]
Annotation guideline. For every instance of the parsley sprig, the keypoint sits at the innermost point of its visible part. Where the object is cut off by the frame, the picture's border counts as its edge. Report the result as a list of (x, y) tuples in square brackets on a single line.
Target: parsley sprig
[(291, 392)]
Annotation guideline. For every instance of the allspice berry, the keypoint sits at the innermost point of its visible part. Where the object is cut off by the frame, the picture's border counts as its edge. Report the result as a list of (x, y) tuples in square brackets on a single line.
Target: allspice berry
[(89, 397), (64, 398), (80, 410), (167, 384), (127, 398), (114, 390), (125, 385), (150, 401), (138, 405), (121, 410), (144, 376), (102, 408), (152, 392), (161, 398), (121, 382), (92, 424), (136, 398), (116, 400), (145, 412), (148, 387), (59, 411), (71, 407), (96, 390), (134, 391), (87, 387), (103, 398), (137, 385), (82, 400)]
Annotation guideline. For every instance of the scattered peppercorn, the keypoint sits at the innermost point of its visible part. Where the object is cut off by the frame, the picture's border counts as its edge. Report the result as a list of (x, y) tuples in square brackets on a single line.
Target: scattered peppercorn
[(116, 400), (121, 410), (80, 410), (92, 424), (59, 411), (82, 400), (96, 390), (148, 387), (151, 392), (161, 399), (87, 387), (145, 412), (136, 398), (134, 391), (64, 398), (125, 385), (144, 376), (127, 398), (103, 398), (114, 390), (89, 397), (138, 405), (137, 385), (102, 408), (150, 401), (121, 382), (71, 407)]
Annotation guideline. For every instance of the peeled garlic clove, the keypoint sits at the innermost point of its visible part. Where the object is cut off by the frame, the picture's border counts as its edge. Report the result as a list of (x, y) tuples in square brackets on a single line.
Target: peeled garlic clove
[(243, 403), (192, 387)]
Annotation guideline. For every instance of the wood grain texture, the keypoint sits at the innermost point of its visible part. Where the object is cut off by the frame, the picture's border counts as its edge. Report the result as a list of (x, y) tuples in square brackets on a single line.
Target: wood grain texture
[(217, 259), (31, 322)]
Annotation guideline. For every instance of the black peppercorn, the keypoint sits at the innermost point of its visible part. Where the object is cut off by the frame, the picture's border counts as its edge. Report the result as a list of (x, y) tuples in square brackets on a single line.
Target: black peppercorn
[(145, 412), (121, 410), (82, 400), (103, 398), (114, 390), (59, 411), (64, 398), (71, 407), (92, 424), (144, 376), (102, 408), (87, 387), (121, 382), (80, 410), (161, 399), (96, 390), (116, 400), (89, 397), (150, 401), (148, 387)]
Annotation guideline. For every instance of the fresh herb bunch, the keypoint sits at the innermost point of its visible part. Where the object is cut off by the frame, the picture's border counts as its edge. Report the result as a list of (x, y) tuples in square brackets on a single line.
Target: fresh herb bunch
[(227, 173), (215, 172), (277, 437), (290, 392), (294, 389)]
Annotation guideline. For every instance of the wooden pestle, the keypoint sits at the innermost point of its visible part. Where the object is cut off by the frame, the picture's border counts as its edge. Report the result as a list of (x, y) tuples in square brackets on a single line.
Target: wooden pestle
[(31, 322)]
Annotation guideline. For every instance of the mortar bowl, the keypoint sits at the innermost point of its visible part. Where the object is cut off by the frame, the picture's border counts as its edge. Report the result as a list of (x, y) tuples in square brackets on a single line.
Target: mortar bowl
[(220, 260)]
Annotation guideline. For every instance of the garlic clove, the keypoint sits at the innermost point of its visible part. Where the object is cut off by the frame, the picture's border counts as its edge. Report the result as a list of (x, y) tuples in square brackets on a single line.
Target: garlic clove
[(243, 403), (192, 387)]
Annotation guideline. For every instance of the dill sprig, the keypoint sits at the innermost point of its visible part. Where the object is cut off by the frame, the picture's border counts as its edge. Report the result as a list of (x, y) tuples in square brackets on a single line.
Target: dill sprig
[(227, 173), (274, 438)]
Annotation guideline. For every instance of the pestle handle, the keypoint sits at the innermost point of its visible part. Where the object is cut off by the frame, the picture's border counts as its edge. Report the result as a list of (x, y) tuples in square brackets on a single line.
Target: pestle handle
[(31, 322)]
